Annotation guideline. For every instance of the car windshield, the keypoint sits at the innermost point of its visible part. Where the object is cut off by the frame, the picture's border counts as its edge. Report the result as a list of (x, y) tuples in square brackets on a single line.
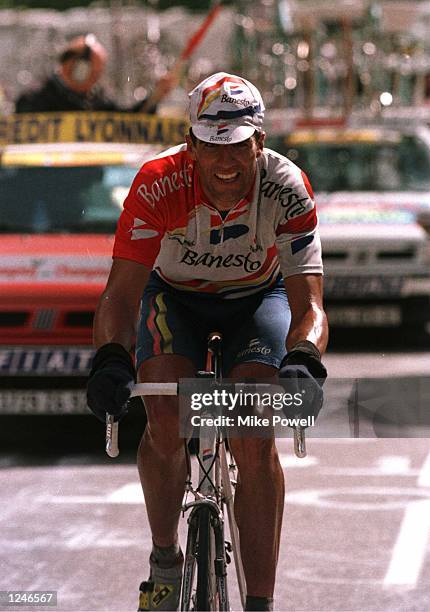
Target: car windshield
[(363, 166), (73, 199)]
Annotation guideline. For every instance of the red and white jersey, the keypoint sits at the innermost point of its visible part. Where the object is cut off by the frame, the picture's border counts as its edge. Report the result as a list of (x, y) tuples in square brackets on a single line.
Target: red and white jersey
[(168, 226)]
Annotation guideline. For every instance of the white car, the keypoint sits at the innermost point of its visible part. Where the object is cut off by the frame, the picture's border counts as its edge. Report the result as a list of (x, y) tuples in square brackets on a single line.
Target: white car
[(372, 188)]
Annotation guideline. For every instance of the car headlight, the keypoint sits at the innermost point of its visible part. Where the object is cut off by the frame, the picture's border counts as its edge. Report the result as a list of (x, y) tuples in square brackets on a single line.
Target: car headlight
[(423, 219)]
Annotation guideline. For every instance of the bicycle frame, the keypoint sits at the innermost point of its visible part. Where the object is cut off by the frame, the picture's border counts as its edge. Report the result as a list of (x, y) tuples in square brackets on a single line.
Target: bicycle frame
[(209, 500)]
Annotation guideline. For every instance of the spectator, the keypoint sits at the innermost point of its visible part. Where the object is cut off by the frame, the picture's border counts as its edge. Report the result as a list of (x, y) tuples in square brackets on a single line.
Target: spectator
[(73, 85)]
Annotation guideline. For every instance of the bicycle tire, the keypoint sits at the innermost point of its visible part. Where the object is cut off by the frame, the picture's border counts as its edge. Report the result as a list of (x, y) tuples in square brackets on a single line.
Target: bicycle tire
[(204, 597), (189, 568)]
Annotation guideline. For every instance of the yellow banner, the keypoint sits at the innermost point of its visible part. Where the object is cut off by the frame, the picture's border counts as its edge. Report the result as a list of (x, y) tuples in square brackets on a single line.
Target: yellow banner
[(135, 128)]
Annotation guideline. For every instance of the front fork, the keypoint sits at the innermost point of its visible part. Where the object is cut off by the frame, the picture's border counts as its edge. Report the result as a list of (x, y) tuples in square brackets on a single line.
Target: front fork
[(219, 562)]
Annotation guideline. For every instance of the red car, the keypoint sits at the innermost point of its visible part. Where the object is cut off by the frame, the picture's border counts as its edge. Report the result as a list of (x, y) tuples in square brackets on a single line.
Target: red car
[(60, 204)]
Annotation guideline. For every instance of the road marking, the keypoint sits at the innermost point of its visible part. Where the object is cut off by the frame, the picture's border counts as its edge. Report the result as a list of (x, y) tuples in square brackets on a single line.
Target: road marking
[(309, 576), (290, 461), (424, 477), (130, 493), (73, 499), (393, 464), (332, 498), (410, 549), (411, 546), (387, 465), (347, 441), (91, 536)]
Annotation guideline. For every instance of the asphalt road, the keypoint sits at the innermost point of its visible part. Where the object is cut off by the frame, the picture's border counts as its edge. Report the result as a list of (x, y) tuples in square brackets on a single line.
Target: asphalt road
[(356, 532)]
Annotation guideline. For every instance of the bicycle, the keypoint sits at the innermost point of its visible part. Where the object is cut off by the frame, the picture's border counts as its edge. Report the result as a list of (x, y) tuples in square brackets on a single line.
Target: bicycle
[(207, 550)]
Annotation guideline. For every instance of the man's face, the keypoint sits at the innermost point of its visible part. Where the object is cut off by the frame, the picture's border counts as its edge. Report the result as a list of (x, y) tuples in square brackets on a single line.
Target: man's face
[(226, 171), (85, 64)]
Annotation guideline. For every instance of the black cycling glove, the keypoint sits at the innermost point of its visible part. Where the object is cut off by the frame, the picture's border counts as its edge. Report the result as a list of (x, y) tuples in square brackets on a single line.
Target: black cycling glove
[(111, 378), (306, 375)]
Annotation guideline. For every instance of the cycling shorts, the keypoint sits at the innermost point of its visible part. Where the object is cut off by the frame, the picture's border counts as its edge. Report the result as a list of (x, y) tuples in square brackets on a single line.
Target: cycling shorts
[(254, 328)]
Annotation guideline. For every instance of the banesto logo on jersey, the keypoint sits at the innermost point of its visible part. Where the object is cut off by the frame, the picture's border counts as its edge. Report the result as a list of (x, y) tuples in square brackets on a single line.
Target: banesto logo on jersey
[(232, 260)]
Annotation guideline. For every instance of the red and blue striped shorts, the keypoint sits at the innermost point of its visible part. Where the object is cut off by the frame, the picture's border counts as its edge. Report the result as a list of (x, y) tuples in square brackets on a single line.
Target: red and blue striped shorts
[(254, 327)]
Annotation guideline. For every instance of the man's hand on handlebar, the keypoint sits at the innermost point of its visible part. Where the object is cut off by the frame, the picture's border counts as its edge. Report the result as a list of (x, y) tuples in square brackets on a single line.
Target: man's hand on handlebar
[(110, 381), (304, 375)]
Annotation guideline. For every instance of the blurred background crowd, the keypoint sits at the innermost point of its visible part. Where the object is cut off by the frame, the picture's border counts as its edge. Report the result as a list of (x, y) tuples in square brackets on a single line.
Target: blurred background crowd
[(310, 55)]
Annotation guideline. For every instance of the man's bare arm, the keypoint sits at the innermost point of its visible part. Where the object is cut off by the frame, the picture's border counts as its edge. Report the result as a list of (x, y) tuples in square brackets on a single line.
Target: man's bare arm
[(308, 319), (118, 308)]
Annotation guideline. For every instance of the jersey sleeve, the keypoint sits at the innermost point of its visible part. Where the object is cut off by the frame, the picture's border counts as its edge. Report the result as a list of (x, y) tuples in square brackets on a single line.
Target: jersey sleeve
[(141, 225), (297, 236)]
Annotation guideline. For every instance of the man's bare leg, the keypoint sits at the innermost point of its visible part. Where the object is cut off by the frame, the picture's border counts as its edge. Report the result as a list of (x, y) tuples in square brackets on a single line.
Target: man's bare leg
[(259, 500), (161, 457), (259, 504)]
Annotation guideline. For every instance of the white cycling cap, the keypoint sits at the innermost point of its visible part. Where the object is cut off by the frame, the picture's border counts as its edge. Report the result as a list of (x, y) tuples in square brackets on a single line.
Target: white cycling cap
[(225, 108)]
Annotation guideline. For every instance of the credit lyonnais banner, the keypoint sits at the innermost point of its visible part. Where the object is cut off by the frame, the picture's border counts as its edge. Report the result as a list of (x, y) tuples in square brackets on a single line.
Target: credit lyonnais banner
[(135, 128)]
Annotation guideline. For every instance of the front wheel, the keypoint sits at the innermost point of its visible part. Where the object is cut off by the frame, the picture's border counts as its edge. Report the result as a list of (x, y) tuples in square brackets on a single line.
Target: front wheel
[(205, 592), (199, 592)]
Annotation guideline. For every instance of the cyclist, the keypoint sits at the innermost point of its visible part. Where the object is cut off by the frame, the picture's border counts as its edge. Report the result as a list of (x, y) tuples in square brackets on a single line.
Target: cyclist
[(207, 229)]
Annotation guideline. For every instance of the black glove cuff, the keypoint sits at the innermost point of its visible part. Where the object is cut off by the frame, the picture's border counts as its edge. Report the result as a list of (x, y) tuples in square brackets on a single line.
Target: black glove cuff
[(306, 346), (306, 353), (112, 352)]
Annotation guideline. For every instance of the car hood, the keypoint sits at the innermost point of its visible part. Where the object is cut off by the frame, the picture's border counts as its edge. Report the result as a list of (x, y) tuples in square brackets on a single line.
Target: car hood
[(55, 260), (369, 208), (372, 216)]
